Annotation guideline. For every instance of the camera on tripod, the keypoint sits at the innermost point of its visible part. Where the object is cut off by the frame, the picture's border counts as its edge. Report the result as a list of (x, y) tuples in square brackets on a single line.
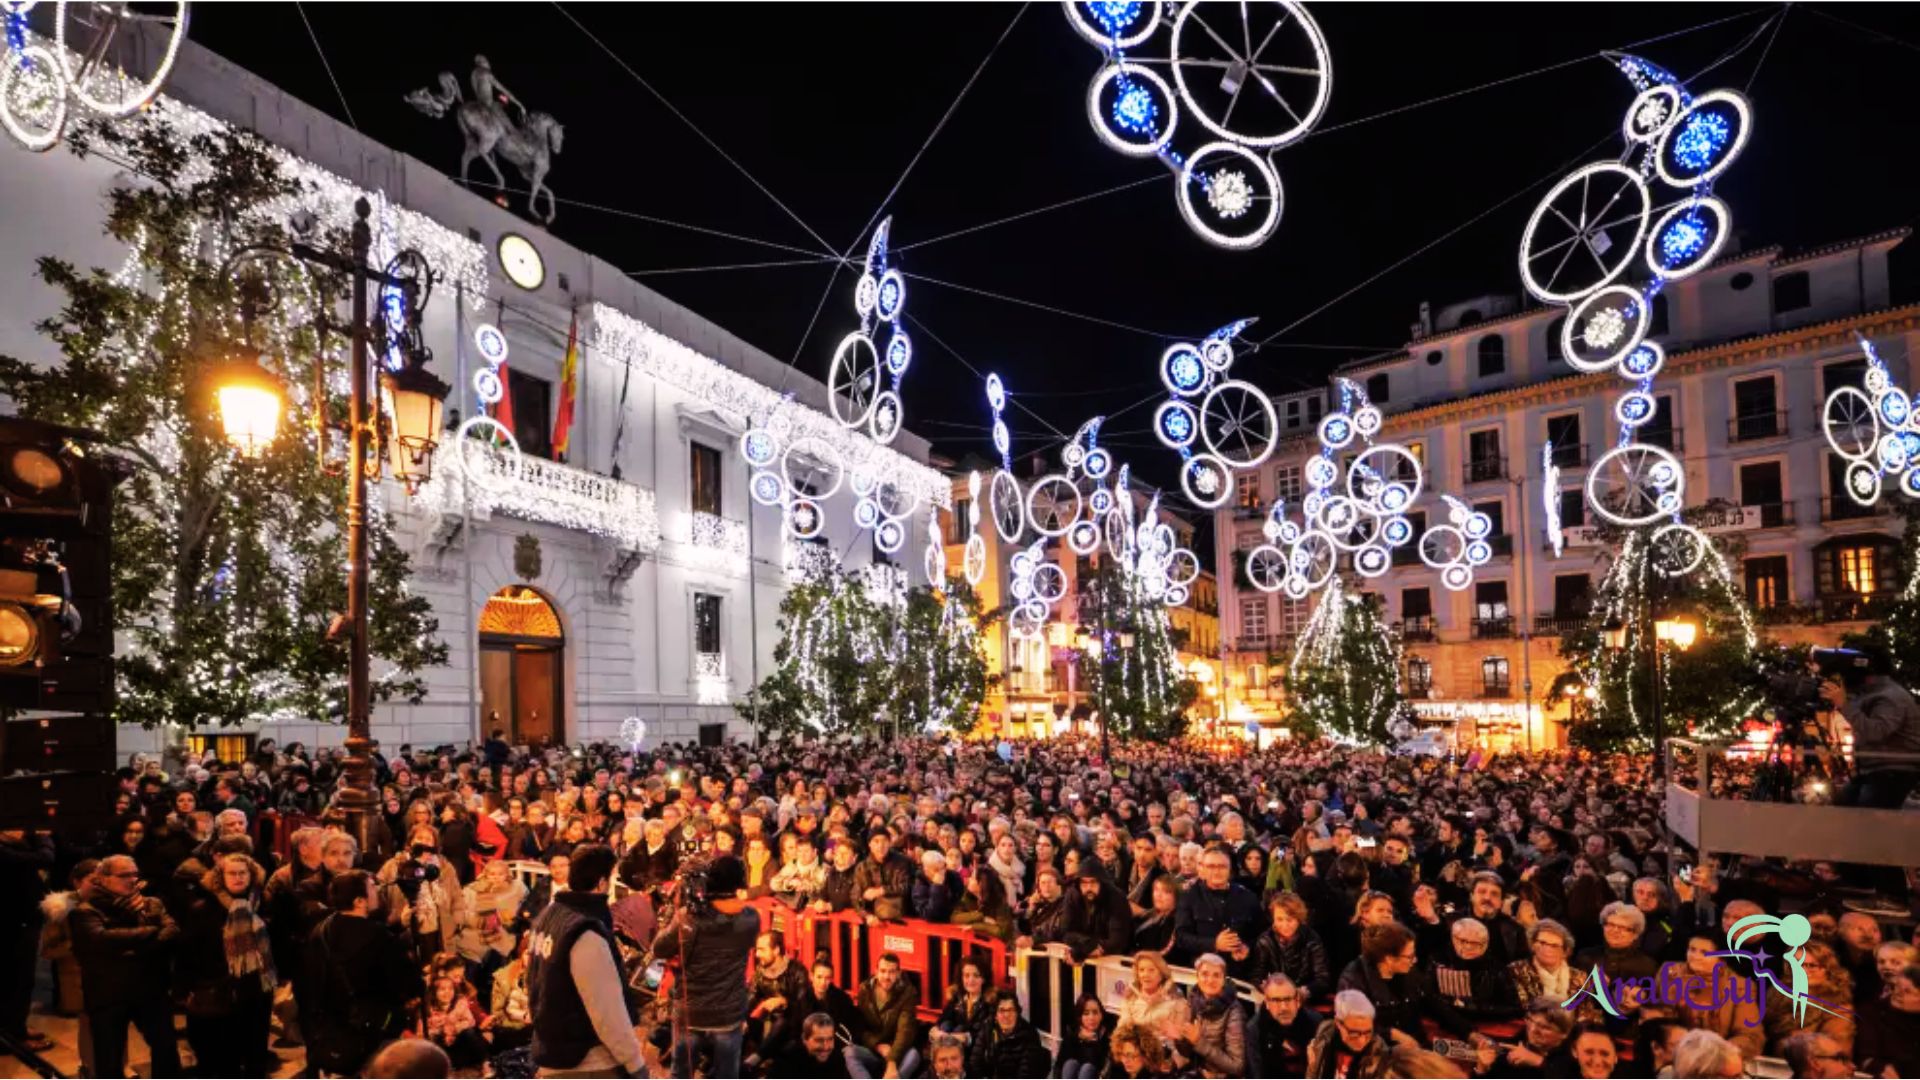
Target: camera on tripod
[(1799, 694), (415, 872)]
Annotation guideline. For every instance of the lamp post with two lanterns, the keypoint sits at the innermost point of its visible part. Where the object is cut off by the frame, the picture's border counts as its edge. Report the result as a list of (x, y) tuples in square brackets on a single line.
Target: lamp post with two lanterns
[(404, 425), (1672, 631)]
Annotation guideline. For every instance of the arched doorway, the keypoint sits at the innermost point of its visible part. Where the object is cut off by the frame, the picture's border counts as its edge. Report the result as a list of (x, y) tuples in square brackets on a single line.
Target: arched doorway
[(521, 679)]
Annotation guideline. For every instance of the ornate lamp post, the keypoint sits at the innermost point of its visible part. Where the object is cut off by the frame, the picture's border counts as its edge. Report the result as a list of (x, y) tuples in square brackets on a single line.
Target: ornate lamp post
[(250, 402)]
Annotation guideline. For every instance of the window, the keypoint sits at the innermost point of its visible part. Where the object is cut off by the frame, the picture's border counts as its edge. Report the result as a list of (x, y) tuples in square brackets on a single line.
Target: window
[(1846, 373), (1840, 505), (1556, 346), (1490, 600), (1287, 483), (1377, 388), (1402, 470), (1791, 292), (706, 624), (1294, 615), (1496, 677), (1658, 430), (1256, 676), (1434, 357), (1253, 617), (1742, 281), (1419, 676), (1293, 413), (1483, 455), (1564, 433), (1573, 508), (1756, 408), (958, 527), (1493, 355), (1496, 512), (1767, 582), (1313, 410), (1248, 487), (1761, 486), (532, 404), (228, 749), (704, 482), (1418, 519), (1416, 603), (1572, 593), (1856, 569), (1657, 325)]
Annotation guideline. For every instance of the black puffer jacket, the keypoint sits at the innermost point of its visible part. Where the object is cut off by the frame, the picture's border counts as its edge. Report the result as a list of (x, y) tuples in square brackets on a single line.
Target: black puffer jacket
[(717, 947), (1004, 1055), (1303, 958)]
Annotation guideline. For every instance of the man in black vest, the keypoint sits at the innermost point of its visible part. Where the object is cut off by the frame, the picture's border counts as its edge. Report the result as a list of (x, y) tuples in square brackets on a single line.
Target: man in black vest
[(710, 997), (581, 1023)]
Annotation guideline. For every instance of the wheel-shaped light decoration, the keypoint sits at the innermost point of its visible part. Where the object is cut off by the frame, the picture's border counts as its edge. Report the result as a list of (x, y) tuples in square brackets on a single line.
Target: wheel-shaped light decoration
[(1027, 620), (1183, 567), (1584, 234), (1256, 74), (1239, 424), (1114, 24), (1863, 482), (33, 96), (1635, 484), (813, 467), (472, 454), (1443, 545), (1852, 423), (1008, 505), (1183, 370), (1206, 480), (935, 558), (1678, 550), (854, 381), (767, 488), (864, 295), (1119, 535), (1072, 455), (1049, 582), (1688, 237), (1704, 139), (94, 38), (1132, 109), (1175, 596), (1604, 327), (1652, 113), (861, 482), (1386, 477), (1053, 505), (1230, 196), (974, 564), (1314, 558), (1367, 421), (804, 519)]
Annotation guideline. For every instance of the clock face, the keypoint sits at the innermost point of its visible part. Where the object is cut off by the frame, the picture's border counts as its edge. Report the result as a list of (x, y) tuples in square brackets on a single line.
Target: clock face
[(521, 261)]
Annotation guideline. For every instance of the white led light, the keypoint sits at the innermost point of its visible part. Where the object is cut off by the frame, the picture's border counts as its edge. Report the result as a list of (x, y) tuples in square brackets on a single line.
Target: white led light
[(1206, 481), (889, 536), (1008, 506), (1588, 227), (1635, 484), (1611, 323), (1336, 431), (1372, 561), (1083, 537), (853, 382), (767, 489), (1678, 549), (1456, 577), (975, 564), (1644, 361), (996, 393), (1088, 25), (1184, 370), (1634, 408), (804, 519), (1321, 473), (1191, 177), (1098, 464), (479, 473), (1266, 568), (1291, 18), (33, 96), (1863, 482), (1851, 422), (804, 459), (486, 386), (490, 343), (759, 447), (1239, 424), (1651, 113), (1442, 546), (1053, 505), (1049, 582)]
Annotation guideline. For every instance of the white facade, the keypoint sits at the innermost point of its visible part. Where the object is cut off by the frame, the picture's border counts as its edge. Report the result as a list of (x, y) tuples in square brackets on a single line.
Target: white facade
[(622, 561)]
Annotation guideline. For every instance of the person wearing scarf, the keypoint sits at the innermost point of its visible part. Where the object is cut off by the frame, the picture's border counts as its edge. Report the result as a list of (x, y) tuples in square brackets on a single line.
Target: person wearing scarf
[(225, 965), (485, 940)]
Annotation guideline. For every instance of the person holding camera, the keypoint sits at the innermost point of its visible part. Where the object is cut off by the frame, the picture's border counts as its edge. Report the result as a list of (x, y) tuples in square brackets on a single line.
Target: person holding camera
[(1885, 720), (713, 937), (422, 897), (582, 1025)]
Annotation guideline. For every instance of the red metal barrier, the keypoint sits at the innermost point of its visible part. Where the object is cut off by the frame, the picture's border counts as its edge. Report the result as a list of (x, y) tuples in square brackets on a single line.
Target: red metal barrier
[(929, 952)]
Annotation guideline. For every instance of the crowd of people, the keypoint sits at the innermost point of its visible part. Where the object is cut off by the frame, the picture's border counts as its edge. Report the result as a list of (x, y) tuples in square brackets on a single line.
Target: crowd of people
[(591, 911)]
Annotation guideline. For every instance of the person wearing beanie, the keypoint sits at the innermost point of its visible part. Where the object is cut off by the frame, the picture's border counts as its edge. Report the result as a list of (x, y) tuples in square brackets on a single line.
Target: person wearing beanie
[(712, 944)]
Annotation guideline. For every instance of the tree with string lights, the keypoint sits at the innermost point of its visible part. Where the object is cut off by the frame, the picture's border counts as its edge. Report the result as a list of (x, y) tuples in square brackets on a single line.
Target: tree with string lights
[(1344, 680), (1134, 677), (227, 570)]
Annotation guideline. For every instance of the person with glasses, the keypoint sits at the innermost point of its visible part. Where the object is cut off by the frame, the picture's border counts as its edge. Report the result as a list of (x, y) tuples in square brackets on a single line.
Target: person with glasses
[(1621, 957), (1007, 1047), (1385, 973), (1817, 1057), (1829, 982), (124, 941), (1216, 915), (1282, 1030), (1346, 1046)]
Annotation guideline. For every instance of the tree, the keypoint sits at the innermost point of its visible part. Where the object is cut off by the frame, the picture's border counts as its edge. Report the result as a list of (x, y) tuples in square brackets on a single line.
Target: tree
[(228, 570), (1345, 675), (1140, 690), (1897, 634), (1707, 690), (940, 677)]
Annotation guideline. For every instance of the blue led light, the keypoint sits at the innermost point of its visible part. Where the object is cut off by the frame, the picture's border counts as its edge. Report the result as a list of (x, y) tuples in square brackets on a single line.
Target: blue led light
[(759, 447), (1684, 239), (1115, 16), (1187, 372), (1134, 110), (1700, 140), (1176, 425), (899, 353), (889, 296)]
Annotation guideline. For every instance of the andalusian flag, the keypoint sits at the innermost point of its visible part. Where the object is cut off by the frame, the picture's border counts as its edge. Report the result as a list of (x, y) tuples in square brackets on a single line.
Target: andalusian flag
[(569, 380)]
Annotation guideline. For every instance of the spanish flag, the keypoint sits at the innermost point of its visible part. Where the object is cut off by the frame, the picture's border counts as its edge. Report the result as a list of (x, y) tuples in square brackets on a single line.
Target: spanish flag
[(569, 380)]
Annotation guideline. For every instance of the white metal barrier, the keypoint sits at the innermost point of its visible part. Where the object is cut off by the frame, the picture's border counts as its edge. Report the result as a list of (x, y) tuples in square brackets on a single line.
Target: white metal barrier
[(1048, 983), (1782, 829)]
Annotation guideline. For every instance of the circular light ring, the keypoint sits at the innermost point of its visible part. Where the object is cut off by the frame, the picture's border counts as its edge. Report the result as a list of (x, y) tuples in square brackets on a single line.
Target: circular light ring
[(1072, 455), (1009, 508), (1863, 482), (1021, 587), (1397, 530), (1225, 414), (1132, 30), (804, 519), (1895, 408), (1321, 473), (480, 477), (1100, 501), (1688, 237), (1217, 352), (1183, 567), (1206, 480), (856, 367), (884, 424), (899, 352), (1119, 535), (1678, 549), (1395, 461), (781, 424), (490, 343), (1893, 455), (1910, 482), (1652, 113), (1021, 563), (1296, 587), (1314, 559), (1270, 529), (1264, 224), (974, 485), (1336, 431), (767, 489), (1634, 408), (1644, 361), (1394, 497), (486, 386), (895, 501), (936, 562), (1877, 379), (1176, 595), (1291, 14), (1702, 129), (1058, 492), (861, 482), (1098, 463), (1367, 421), (1106, 117), (1049, 582), (864, 295), (892, 298), (1083, 537), (143, 91), (1477, 526), (1851, 422), (37, 133), (1442, 546), (866, 513), (1650, 479), (795, 459), (1372, 561), (759, 447), (1289, 532), (1025, 622), (974, 564), (1183, 370), (889, 536), (1479, 552), (1002, 439), (1604, 327), (1337, 514), (1163, 540), (996, 393), (1310, 506), (1456, 577), (1582, 178)]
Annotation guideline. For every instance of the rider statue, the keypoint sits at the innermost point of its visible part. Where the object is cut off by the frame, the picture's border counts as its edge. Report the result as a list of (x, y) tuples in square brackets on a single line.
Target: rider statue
[(489, 125)]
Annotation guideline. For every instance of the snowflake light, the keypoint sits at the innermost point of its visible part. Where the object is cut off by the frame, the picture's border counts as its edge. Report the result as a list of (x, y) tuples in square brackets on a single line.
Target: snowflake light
[(1701, 138), (1229, 194), (1134, 109), (1605, 328)]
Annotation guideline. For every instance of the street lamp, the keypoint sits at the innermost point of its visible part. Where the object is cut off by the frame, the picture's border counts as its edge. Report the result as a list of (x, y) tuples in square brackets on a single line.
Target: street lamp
[(249, 401)]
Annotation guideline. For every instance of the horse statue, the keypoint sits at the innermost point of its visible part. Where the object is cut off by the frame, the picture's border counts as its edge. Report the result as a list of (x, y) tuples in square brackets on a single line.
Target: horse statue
[(528, 145)]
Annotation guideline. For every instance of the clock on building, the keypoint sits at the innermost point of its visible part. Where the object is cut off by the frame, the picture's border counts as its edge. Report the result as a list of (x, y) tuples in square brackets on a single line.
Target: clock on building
[(521, 261)]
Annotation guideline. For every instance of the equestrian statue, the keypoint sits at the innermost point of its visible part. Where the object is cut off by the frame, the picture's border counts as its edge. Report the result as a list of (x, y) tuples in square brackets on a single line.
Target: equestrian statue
[(488, 126)]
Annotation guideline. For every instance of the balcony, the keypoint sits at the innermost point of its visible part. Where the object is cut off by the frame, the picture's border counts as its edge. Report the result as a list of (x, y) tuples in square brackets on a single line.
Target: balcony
[(1853, 606), (1772, 515), (1263, 643), (1845, 509), (1552, 625), (535, 489), (1570, 455), (1484, 470), (1496, 688), (1756, 426), (1249, 513), (1417, 628), (1407, 554), (1501, 545), (1666, 438), (1493, 629)]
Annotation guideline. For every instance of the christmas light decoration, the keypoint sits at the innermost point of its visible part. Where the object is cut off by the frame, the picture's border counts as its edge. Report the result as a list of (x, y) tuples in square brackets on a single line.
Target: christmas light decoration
[(486, 480), (81, 63)]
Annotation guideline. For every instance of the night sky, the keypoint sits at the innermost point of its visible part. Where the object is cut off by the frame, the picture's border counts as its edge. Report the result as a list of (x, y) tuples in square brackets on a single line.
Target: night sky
[(826, 104)]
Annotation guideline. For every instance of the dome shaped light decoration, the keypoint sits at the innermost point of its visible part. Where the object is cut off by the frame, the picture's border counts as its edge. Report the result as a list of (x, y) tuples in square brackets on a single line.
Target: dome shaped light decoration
[(1248, 79)]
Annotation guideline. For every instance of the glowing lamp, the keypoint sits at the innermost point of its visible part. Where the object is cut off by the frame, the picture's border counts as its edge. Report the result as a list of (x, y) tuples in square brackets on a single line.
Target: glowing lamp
[(250, 405), (1680, 633), (416, 399), (1614, 634)]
